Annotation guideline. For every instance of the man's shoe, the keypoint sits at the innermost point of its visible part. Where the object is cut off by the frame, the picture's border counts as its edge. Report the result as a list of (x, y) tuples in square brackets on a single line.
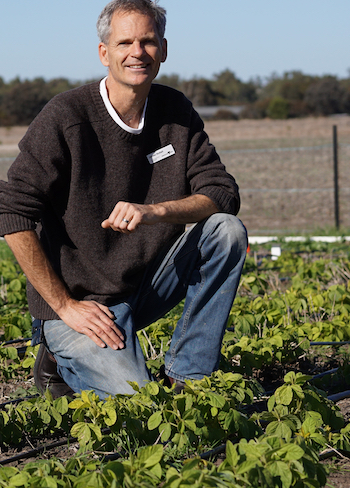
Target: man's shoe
[(168, 381), (179, 386), (46, 375)]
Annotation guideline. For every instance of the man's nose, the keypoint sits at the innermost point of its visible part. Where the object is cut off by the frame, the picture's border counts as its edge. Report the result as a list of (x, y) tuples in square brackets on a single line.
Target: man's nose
[(137, 49)]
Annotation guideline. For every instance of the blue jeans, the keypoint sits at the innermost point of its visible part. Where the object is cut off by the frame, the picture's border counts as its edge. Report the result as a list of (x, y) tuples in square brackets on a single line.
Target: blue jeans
[(203, 266)]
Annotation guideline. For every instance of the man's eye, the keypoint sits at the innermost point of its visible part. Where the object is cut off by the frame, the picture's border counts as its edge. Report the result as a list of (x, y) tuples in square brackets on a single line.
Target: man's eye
[(150, 43)]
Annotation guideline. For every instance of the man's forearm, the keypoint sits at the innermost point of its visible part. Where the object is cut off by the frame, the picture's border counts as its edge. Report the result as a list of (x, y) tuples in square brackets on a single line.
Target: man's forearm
[(36, 266), (188, 210), (126, 216), (86, 317)]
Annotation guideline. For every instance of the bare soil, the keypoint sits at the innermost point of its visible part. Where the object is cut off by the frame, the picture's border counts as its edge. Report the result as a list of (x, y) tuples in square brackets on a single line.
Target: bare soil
[(284, 170), (245, 130)]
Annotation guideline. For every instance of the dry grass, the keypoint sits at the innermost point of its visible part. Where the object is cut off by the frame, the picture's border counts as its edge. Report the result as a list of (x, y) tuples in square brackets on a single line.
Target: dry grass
[(244, 130), (285, 190), (9, 139)]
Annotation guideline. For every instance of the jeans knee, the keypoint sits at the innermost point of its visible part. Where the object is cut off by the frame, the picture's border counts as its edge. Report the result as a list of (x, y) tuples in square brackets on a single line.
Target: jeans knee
[(229, 231)]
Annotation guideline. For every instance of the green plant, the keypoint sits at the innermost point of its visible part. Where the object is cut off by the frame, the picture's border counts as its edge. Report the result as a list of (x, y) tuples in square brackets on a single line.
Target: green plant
[(278, 108)]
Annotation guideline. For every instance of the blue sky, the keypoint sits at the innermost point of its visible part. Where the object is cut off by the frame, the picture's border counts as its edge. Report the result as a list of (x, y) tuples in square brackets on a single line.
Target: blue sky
[(252, 38)]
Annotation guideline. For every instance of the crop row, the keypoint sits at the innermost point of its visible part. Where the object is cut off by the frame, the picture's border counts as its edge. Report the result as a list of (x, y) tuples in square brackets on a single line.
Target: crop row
[(281, 443), (270, 440)]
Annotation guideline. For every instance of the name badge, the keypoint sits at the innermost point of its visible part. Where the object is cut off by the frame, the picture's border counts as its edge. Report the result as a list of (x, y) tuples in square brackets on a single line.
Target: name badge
[(162, 153)]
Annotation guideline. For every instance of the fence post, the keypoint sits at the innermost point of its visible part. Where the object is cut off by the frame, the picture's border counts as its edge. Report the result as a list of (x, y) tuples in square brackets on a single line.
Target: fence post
[(335, 169)]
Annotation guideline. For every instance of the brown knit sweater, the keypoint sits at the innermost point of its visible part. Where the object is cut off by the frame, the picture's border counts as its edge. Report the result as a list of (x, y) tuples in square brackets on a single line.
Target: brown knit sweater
[(76, 163)]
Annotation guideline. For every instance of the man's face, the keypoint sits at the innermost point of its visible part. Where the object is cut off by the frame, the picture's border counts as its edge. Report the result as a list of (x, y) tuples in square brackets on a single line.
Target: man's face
[(134, 50)]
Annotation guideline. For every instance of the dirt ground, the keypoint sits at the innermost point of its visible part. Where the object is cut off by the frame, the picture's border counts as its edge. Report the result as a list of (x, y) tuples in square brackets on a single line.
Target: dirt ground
[(224, 132), (309, 127), (284, 170)]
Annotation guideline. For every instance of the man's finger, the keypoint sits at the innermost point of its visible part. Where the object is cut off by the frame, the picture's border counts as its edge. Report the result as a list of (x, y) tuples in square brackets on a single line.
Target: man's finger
[(105, 309)]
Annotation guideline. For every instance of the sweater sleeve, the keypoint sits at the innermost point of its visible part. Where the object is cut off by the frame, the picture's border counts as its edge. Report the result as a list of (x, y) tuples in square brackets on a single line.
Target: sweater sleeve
[(205, 172), (32, 175)]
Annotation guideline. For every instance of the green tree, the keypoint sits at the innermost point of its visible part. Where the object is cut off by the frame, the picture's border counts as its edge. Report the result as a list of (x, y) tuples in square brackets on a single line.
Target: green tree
[(173, 81), (291, 86), (199, 91), (230, 89), (278, 108), (328, 97)]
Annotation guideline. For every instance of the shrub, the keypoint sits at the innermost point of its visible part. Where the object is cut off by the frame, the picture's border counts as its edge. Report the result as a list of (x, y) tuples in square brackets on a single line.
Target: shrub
[(278, 108)]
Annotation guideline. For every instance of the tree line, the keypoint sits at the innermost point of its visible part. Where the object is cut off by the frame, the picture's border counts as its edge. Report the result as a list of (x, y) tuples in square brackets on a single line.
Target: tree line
[(293, 94)]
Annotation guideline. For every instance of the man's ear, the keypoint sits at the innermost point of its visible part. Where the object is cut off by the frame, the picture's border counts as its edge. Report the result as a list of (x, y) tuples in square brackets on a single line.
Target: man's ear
[(103, 53), (164, 50)]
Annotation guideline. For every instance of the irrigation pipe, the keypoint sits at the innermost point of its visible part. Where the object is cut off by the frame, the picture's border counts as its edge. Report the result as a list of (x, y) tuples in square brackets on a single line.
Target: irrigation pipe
[(325, 373), (213, 452), (37, 450), (18, 400), (15, 341), (206, 455), (339, 396), (334, 343), (48, 447), (328, 453)]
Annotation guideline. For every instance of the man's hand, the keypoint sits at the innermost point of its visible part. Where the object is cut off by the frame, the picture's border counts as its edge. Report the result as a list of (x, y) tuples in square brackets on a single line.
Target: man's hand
[(126, 217), (94, 320)]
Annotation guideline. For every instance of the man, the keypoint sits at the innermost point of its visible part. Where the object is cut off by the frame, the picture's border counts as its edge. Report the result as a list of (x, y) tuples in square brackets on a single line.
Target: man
[(95, 208)]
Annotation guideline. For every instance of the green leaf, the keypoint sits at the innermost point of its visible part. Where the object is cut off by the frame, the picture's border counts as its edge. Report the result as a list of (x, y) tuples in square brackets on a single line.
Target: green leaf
[(282, 471), (246, 466), (12, 332), (298, 390), (250, 279), (231, 454), (20, 479), (61, 405), (50, 482), (152, 388), (28, 363), (191, 424), (78, 403), (82, 432), (151, 455), (284, 395), (291, 452), (96, 430), (15, 285), (11, 352), (215, 400), (116, 467), (85, 398), (166, 431), (154, 421), (214, 411), (111, 413), (280, 429)]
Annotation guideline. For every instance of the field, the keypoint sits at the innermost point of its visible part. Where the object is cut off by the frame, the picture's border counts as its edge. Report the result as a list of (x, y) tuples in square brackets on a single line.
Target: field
[(284, 170), (269, 417)]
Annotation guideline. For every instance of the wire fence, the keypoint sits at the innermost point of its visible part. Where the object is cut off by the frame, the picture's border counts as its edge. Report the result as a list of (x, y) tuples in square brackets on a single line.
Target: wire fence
[(291, 188), (284, 189)]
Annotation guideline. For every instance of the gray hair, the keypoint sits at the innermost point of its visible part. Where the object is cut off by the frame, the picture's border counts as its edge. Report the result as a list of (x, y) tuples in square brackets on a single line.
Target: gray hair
[(146, 7)]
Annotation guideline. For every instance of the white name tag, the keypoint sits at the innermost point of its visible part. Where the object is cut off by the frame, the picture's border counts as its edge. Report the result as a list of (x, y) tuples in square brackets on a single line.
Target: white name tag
[(162, 153)]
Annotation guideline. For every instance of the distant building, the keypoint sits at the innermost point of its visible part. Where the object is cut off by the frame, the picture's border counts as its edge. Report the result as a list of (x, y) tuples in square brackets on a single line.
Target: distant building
[(210, 112)]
